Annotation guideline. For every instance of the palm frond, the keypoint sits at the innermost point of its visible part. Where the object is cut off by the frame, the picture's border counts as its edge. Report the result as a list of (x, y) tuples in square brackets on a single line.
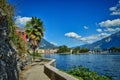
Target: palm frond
[(35, 31)]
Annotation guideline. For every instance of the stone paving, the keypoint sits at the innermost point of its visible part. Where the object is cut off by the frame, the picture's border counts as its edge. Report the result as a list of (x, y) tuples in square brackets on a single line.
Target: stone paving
[(36, 72)]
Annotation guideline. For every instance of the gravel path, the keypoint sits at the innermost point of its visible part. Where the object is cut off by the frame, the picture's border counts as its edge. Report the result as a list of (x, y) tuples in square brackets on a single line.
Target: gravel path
[(36, 72)]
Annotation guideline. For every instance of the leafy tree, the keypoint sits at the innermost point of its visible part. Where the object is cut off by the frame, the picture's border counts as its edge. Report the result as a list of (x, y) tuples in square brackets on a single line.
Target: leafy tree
[(83, 50), (35, 31), (79, 50), (63, 49), (20, 44), (76, 50), (114, 49), (118, 49), (8, 9)]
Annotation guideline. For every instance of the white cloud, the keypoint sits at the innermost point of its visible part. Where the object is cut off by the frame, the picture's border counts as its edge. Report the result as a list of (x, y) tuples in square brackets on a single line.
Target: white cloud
[(85, 27), (117, 29), (110, 26), (109, 30), (99, 30), (54, 43), (115, 10), (112, 29), (103, 35), (93, 38), (110, 23), (72, 35), (112, 8), (115, 13), (88, 39), (21, 21)]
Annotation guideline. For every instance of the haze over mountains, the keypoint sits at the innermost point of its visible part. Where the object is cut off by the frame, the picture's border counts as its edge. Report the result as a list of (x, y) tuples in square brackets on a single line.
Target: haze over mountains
[(105, 43)]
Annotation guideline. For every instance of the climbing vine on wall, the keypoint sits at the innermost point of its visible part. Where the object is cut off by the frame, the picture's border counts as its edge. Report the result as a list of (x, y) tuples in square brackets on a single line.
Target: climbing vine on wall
[(8, 10)]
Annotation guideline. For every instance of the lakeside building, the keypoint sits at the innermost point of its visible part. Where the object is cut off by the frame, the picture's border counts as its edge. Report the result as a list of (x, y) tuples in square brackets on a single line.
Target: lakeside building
[(48, 51), (21, 32), (71, 50), (40, 51), (23, 35), (51, 51)]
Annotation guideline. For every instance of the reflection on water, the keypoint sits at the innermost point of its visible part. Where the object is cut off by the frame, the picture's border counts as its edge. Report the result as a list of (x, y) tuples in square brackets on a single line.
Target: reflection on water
[(107, 64)]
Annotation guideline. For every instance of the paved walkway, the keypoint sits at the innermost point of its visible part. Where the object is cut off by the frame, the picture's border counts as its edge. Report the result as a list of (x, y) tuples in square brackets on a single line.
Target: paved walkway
[(36, 72)]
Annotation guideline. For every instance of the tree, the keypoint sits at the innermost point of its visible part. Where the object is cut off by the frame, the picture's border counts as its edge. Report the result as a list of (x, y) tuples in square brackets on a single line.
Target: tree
[(118, 49), (113, 49), (20, 43), (63, 49), (84, 50), (35, 31), (76, 50), (79, 50), (8, 9)]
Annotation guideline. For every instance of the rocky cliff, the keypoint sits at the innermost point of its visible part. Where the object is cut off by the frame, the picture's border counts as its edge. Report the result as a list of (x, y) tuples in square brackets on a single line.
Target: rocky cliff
[(8, 54)]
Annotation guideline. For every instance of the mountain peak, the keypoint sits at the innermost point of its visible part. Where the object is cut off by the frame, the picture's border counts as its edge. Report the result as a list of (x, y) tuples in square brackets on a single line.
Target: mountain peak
[(44, 44), (105, 43)]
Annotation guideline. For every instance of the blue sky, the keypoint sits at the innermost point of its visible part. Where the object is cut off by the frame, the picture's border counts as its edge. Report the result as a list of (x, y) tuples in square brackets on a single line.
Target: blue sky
[(72, 22)]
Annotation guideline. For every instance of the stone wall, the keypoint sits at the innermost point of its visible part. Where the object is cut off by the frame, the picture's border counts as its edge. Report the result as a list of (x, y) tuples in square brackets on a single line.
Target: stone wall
[(54, 73), (8, 59)]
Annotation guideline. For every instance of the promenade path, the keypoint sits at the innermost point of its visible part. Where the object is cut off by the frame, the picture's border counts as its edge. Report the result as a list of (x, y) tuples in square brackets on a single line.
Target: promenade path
[(36, 72)]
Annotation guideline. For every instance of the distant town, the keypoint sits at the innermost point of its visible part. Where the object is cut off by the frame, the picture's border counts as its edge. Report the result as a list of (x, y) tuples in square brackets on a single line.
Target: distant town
[(78, 50)]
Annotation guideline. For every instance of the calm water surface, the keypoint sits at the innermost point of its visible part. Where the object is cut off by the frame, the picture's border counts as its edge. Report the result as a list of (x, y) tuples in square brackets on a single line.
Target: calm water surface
[(103, 64)]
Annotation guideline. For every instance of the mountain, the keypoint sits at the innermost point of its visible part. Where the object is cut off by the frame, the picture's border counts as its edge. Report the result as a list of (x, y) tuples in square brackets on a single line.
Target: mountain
[(46, 45), (105, 43)]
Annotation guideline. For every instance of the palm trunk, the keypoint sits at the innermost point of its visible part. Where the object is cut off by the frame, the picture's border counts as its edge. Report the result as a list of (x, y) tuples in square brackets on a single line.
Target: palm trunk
[(34, 54)]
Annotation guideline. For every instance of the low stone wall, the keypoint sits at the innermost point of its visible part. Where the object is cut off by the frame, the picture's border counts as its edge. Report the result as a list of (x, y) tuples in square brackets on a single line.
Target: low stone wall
[(54, 73)]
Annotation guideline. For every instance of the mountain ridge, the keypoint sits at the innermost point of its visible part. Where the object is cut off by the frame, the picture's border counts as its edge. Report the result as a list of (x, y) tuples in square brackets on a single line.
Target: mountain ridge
[(111, 41), (44, 44)]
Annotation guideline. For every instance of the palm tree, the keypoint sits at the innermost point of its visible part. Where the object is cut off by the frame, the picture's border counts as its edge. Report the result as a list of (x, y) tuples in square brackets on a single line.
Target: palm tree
[(35, 31)]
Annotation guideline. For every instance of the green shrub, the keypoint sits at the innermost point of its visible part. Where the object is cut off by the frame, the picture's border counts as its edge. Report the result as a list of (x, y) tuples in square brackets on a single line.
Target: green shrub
[(85, 74)]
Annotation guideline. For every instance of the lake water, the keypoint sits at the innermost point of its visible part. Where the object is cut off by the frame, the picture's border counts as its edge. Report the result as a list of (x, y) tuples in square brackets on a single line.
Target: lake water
[(108, 64)]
